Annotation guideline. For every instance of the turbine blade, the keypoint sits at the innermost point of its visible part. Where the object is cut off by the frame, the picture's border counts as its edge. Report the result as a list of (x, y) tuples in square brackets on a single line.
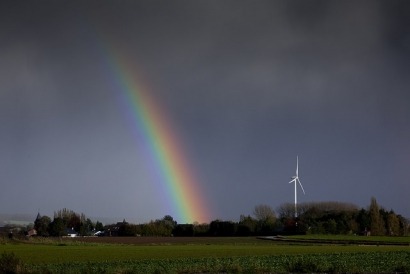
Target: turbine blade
[(297, 165), (292, 181), (301, 185)]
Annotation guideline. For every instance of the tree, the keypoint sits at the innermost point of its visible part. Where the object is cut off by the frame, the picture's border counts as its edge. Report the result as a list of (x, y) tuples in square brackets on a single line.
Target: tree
[(247, 226), (99, 226), (330, 226), (156, 228), (376, 220), (86, 227), (126, 229), (264, 213), (41, 225), (183, 230), (74, 222), (64, 214), (363, 220), (404, 225), (201, 229), (222, 228), (57, 227), (286, 210), (393, 224), (266, 219), (160, 227), (169, 221)]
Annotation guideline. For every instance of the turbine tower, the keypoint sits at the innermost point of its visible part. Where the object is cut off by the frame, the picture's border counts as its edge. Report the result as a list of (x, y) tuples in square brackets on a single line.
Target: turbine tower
[(296, 180)]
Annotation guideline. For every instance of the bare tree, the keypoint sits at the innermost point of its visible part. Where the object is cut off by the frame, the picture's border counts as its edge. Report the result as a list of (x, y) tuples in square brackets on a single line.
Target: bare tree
[(264, 213), (287, 210)]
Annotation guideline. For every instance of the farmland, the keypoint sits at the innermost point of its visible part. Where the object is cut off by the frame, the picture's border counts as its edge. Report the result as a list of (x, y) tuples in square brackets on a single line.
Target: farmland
[(189, 255)]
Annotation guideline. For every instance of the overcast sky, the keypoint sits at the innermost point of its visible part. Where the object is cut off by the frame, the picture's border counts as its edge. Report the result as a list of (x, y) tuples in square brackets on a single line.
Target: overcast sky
[(247, 85)]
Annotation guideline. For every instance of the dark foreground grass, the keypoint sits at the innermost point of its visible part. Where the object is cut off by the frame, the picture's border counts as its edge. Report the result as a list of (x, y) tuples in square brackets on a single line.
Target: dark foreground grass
[(63, 253), (368, 262), (229, 255)]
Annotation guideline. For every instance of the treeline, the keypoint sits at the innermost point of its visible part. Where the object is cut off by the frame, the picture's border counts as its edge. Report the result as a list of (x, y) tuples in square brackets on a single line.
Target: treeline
[(65, 221), (313, 218), (247, 226), (343, 218)]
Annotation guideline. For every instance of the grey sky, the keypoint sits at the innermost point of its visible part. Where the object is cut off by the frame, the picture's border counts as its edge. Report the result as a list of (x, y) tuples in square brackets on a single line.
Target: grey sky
[(247, 85)]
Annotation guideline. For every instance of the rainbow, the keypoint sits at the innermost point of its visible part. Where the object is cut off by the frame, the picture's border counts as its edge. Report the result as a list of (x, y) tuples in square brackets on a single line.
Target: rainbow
[(167, 157)]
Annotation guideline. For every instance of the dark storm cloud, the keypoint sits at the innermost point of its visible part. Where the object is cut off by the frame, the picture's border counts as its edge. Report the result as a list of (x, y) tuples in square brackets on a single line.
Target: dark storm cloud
[(248, 85)]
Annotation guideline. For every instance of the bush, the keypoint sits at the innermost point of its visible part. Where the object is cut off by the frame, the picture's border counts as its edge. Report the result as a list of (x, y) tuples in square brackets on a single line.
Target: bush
[(402, 268), (10, 263), (302, 266)]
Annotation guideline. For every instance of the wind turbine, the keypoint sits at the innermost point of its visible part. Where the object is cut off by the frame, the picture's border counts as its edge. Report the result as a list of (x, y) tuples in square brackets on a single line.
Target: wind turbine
[(296, 180)]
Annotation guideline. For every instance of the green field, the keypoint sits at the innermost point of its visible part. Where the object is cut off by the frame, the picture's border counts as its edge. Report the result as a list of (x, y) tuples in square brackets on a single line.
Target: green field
[(381, 239), (192, 255)]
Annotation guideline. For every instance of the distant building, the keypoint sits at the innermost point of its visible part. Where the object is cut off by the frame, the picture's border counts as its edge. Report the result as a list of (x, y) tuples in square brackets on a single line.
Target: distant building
[(71, 232), (99, 233), (31, 232)]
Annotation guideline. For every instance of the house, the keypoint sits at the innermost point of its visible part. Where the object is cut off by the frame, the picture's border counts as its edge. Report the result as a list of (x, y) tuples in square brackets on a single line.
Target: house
[(99, 233), (71, 232), (31, 232)]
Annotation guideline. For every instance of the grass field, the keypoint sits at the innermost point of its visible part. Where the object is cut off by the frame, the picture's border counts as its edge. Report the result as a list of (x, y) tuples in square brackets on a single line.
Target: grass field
[(190, 255), (355, 238)]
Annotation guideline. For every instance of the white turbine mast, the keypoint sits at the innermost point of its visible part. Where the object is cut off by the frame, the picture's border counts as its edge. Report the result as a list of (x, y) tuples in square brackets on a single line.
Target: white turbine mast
[(296, 180)]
